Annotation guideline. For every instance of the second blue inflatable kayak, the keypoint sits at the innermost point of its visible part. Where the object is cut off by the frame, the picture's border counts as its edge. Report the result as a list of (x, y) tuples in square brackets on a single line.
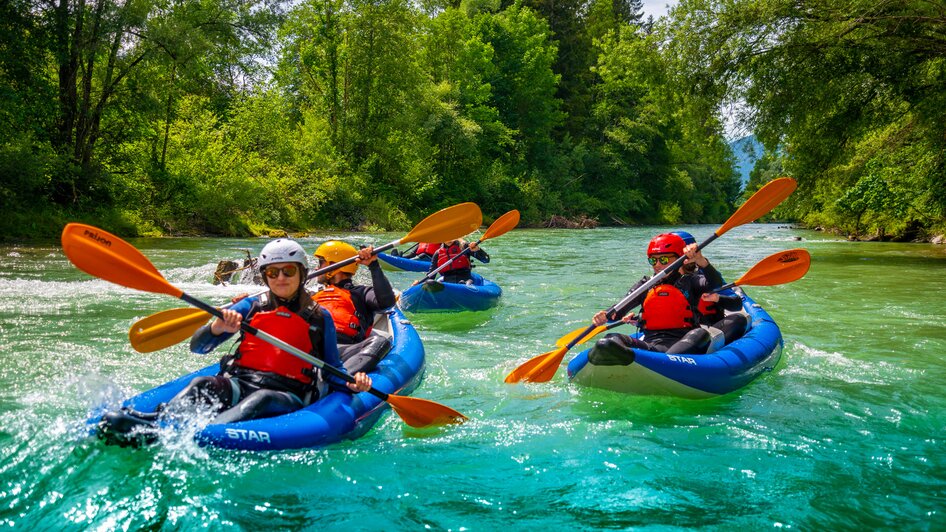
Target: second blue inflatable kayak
[(436, 296)]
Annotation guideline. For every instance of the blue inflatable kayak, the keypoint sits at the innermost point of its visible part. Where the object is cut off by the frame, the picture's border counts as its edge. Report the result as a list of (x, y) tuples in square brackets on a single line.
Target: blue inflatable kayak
[(436, 296), (691, 376), (337, 416), (393, 262)]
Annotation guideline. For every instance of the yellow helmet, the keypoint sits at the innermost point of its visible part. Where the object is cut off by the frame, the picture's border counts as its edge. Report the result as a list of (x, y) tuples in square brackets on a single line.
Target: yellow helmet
[(337, 251)]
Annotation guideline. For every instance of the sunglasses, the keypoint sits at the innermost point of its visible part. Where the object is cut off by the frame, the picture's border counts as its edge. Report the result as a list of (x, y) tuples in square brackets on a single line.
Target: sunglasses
[(663, 259), (273, 272)]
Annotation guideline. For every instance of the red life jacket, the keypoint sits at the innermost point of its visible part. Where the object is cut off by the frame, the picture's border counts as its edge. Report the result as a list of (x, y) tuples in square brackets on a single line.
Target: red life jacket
[(339, 304), (665, 307), (709, 312), (447, 253), (257, 354), (428, 248)]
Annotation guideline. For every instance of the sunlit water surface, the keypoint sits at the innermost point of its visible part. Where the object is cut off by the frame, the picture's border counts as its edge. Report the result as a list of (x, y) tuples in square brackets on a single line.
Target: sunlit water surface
[(847, 432)]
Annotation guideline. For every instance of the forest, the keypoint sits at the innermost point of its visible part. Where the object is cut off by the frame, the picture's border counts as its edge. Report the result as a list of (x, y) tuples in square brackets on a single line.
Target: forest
[(238, 117)]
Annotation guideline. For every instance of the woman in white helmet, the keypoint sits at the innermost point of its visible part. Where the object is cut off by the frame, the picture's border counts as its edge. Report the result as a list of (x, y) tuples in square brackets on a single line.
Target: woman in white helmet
[(259, 379)]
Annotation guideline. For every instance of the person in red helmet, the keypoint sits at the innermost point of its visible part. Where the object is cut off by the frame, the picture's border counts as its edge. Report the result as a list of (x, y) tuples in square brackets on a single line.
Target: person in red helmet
[(669, 317)]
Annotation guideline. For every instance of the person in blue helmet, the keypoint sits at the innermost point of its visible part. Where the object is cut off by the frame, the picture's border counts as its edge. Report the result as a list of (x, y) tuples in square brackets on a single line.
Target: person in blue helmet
[(710, 310), (668, 320), (258, 380)]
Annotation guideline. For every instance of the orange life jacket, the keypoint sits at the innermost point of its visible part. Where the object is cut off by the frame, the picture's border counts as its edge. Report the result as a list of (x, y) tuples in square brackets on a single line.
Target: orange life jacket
[(447, 253), (665, 307), (257, 354), (340, 305)]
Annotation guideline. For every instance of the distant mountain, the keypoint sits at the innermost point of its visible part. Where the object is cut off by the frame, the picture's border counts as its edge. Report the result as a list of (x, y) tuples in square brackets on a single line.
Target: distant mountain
[(747, 150)]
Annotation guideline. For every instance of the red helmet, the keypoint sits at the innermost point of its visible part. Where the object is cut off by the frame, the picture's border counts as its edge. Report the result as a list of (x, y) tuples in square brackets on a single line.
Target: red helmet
[(666, 243)]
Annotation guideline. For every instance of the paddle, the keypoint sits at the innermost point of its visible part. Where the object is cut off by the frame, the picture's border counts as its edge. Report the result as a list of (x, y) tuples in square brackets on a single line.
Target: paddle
[(501, 226), (543, 367), (779, 268), (408, 250), (108, 257), (170, 327)]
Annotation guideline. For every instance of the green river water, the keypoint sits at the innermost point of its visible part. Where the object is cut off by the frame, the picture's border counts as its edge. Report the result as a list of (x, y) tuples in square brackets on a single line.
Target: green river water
[(848, 431)]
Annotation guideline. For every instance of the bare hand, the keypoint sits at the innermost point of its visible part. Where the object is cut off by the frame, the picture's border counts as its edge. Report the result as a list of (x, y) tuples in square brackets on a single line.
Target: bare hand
[(630, 318), (237, 299), (693, 254), (229, 324), (474, 247), (365, 256), (362, 382), (712, 297), (600, 318)]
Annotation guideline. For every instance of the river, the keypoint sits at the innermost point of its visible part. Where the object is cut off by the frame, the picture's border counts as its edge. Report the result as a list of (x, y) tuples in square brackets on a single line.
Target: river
[(847, 432)]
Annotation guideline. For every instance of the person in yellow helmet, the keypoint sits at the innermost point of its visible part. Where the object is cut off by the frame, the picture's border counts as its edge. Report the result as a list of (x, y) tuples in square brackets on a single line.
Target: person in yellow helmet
[(353, 306)]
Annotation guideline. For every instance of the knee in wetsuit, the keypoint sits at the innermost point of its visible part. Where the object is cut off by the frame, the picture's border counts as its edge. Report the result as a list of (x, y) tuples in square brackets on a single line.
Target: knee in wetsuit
[(615, 350), (694, 342), (364, 355), (733, 326), (216, 391), (259, 404)]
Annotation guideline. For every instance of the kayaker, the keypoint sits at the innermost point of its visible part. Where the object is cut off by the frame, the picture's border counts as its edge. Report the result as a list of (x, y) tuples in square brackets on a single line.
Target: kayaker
[(669, 318), (709, 311), (460, 270), (258, 380), (353, 306)]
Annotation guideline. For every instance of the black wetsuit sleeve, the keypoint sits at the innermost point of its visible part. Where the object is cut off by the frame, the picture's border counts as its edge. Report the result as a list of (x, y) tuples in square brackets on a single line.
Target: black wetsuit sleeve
[(433, 261), (481, 255), (714, 279), (634, 303), (382, 294), (730, 303)]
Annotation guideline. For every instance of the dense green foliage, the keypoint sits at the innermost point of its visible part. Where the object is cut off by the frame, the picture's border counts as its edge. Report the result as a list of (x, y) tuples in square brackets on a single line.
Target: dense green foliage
[(848, 96), (234, 116)]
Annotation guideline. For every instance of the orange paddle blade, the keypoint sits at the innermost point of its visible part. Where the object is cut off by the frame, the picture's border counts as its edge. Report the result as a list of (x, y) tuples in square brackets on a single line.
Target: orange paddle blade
[(447, 224), (166, 328), (104, 255), (420, 413), (567, 339), (502, 225), (539, 368), (779, 268), (763, 201)]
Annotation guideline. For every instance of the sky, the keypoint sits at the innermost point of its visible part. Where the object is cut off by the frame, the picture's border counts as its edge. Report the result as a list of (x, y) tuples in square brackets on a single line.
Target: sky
[(657, 8)]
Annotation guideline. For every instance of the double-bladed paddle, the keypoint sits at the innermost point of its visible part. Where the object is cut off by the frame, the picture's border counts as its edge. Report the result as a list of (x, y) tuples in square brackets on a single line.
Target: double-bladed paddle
[(501, 226), (169, 327), (543, 367), (108, 257), (779, 268)]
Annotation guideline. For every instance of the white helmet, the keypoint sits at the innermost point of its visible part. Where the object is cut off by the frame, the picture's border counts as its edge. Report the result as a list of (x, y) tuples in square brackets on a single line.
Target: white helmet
[(282, 250)]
